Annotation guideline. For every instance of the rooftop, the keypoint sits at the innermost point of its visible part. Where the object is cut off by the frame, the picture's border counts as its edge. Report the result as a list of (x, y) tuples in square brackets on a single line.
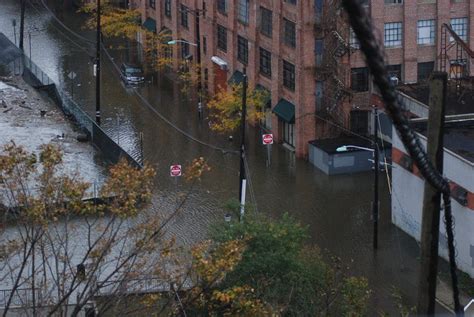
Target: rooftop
[(459, 101)]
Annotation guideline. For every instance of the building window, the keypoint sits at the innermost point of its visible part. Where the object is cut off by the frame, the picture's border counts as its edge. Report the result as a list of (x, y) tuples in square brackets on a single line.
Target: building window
[(394, 73), (289, 32), (184, 49), (393, 1), (425, 70), (242, 49), (360, 79), (393, 34), (184, 15), (288, 75), (353, 40), (291, 1), (265, 62), (204, 45), (289, 133), (459, 26), (319, 95), (426, 32), (221, 38), (168, 8), (222, 6), (319, 51), (243, 11), (152, 4), (266, 21)]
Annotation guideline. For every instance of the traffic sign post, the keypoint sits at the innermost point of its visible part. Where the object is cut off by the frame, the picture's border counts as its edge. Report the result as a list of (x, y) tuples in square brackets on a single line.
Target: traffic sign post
[(267, 139), (175, 170)]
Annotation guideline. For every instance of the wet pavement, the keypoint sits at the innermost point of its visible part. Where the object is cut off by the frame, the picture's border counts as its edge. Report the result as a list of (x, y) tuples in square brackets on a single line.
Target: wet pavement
[(337, 209)]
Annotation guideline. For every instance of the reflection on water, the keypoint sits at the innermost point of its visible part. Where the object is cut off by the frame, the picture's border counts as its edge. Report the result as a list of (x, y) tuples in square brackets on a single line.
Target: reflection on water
[(336, 209)]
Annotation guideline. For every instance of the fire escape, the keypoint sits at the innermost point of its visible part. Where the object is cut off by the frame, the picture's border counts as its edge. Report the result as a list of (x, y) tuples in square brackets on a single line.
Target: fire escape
[(330, 71), (459, 64)]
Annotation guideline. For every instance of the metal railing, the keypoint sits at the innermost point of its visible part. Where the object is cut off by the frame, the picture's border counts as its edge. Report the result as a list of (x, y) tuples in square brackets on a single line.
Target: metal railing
[(22, 297), (112, 151)]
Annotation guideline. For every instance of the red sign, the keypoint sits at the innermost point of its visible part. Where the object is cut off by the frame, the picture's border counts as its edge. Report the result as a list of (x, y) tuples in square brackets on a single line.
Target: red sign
[(267, 139), (175, 170)]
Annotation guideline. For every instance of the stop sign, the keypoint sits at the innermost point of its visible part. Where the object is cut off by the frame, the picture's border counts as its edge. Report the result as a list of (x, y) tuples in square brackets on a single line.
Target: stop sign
[(175, 170), (267, 139)]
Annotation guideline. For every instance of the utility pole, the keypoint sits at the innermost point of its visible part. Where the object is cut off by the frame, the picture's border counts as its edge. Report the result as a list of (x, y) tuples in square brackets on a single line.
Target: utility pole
[(198, 52), (97, 68), (375, 204), (243, 178), (22, 22), (432, 198)]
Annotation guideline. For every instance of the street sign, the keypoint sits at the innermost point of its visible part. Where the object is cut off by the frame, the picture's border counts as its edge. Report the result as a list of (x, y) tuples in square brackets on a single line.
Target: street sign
[(71, 75), (175, 170), (267, 139)]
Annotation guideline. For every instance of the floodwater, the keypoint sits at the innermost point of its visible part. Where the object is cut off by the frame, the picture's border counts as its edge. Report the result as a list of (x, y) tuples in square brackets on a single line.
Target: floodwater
[(336, 209)]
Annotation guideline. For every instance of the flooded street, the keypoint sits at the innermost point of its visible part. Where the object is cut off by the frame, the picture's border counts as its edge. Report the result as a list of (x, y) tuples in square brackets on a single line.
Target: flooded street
[(337, 209)]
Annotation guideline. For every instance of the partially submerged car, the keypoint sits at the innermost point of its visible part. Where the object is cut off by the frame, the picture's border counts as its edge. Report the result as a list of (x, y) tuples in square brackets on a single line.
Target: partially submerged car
[(131, 74)]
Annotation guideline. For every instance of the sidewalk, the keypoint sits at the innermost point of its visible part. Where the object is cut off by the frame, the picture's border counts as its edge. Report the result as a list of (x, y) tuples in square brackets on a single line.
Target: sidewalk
[(30, 119)]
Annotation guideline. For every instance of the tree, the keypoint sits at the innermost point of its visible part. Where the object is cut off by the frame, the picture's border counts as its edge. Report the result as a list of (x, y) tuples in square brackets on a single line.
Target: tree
[(292, 278), (123, 23), (60, 250), (226, 107)]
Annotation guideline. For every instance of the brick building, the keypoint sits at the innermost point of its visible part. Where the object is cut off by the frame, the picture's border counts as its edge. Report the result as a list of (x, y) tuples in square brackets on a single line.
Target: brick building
[(304, 53)]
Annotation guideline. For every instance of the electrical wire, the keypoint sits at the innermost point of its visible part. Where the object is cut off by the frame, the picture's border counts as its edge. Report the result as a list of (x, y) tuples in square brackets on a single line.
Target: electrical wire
[(363, 28), (138, 94)]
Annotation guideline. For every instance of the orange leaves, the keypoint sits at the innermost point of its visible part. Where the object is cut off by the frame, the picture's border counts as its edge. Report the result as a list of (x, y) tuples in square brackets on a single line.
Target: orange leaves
[(129, 186), (226, 108), (196, 169)]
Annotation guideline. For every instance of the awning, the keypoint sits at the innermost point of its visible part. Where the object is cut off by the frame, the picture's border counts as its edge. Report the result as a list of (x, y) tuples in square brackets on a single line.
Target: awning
[(285, 110), (268, 95), (150, 25), (237, 78)]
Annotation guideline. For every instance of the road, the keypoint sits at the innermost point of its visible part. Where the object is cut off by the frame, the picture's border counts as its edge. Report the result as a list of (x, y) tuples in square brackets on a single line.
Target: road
[(336, 209)]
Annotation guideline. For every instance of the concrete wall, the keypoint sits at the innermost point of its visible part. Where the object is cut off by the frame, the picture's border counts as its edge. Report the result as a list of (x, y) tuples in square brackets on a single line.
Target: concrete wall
[(407, 201)]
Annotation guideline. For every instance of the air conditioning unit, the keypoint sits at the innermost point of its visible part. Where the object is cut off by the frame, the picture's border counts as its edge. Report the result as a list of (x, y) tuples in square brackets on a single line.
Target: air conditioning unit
[(394, 80)]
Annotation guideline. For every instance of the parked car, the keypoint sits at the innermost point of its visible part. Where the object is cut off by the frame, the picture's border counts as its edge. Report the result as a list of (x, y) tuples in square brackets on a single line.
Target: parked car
[(131, 74)]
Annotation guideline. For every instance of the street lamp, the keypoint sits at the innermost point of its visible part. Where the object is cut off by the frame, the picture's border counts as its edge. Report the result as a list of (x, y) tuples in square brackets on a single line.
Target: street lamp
[(376, 164), (346, 148), (173, 42)]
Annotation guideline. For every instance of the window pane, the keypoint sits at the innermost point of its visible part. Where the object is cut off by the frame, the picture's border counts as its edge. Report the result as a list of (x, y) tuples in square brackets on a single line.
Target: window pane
[(243, 11), (266, 21), (265, 62), (221, 38), (459, 26), (426, 32), (289, 32), (288, 75), (242, 49), (393, 34), (360, 79)]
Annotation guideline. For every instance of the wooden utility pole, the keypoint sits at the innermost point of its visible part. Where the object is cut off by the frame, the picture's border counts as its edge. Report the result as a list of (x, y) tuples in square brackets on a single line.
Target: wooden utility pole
[(22, 22), (432, 198)]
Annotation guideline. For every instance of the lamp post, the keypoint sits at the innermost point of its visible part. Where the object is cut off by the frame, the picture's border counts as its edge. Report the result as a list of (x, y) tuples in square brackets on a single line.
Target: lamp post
[(97, 67), (376, 163), (242, 173)]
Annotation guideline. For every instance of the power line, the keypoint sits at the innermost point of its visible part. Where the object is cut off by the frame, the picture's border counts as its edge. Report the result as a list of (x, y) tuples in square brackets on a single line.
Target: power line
[(140, 96)]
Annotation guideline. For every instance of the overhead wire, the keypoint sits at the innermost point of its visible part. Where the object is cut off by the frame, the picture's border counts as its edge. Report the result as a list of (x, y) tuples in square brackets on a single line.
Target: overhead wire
[(363, 28), (138, 94), (248, 175)]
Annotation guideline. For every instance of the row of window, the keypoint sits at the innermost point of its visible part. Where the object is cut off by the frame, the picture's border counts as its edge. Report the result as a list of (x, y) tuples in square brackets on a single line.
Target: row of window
[(360, 76), (265, 57), (426, 32)]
